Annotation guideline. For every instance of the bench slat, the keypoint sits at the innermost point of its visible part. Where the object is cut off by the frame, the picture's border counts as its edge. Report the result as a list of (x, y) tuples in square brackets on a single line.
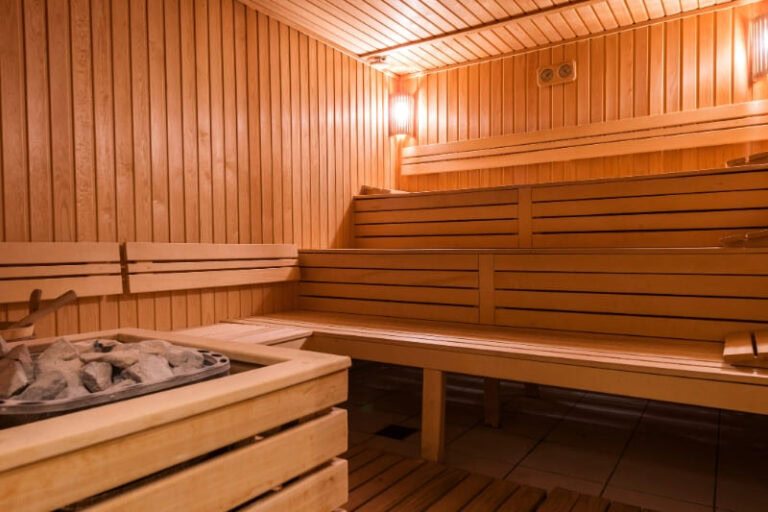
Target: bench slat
[(691, 262), (154, 267), (708, 201), (189, 266), (393, 309), (59, 270), (438, 228), (438, 214), (42, 253), (692, 238), (453, 242), (84, 286), (668, 284), (396, 261), (457, 278), (138, 251), (89, 268), (633, 304), (442, 200), (682, 328), (746, 219), (142, 283), (425, 294)]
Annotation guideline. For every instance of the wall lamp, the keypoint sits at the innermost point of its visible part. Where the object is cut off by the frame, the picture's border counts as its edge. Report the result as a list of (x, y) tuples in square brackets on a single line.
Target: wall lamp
[(758, 46), (400, 114)]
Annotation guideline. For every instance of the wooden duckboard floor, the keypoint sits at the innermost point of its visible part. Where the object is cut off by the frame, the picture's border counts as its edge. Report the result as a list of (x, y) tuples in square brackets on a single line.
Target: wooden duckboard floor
[(380, 481)]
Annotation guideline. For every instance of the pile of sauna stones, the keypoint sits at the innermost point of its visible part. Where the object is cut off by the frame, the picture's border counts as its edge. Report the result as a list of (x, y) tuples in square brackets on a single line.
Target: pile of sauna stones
[(71, 370)]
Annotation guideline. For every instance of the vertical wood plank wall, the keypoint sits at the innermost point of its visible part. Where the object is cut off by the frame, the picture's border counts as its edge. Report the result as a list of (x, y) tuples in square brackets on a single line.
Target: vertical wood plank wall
[(180, 121), (693, 62)]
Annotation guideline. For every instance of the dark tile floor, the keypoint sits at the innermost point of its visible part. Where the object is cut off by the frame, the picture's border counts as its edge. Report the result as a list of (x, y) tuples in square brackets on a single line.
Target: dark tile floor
[(662, 456)]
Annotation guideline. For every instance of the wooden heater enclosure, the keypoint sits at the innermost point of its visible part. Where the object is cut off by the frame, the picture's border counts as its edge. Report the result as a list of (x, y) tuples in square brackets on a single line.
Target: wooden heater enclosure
[(267, 431)]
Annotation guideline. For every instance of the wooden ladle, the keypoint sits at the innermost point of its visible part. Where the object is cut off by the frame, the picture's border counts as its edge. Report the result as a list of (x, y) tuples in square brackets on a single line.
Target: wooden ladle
[(60, 301)]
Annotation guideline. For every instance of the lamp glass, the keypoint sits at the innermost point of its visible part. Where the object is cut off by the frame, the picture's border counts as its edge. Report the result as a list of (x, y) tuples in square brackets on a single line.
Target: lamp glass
[(400, 114)]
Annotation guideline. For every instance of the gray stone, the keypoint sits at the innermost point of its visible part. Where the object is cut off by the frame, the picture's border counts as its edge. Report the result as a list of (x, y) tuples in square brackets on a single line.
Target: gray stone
[(149, 369), (4, 347), (12, 378), (184, 358), (108, 345), (21, 354), (84, 347), (96, 376), (61, 349), (71, 371), (65, 366), (120, 358), (47, 387), (156, 347)]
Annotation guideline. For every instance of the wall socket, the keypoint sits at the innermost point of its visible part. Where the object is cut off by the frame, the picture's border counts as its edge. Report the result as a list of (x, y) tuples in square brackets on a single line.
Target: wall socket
[(554, 74)]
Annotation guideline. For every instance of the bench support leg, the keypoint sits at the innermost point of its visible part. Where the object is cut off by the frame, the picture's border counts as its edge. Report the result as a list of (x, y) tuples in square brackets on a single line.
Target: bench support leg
[(433, 415), (492, 403)]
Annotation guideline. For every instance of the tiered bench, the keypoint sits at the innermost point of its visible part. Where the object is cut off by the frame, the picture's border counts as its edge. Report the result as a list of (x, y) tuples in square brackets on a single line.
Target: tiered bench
[(690, 209)]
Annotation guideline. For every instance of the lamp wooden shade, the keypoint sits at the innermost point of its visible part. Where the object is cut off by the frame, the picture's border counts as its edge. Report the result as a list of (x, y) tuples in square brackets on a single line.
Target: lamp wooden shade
[(400, 114)]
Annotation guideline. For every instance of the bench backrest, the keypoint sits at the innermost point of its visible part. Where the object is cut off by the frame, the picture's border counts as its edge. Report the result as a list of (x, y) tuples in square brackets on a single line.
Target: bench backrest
[(693, 209), (699, 294), (154, 267), (460, 219), (89, 268)]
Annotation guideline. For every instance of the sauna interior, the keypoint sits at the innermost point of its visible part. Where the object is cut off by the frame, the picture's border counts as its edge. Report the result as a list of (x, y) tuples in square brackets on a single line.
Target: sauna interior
[(384, 255)]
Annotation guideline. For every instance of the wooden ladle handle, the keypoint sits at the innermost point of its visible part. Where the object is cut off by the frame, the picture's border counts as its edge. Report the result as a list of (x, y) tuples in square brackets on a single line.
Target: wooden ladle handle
[(61, 301)]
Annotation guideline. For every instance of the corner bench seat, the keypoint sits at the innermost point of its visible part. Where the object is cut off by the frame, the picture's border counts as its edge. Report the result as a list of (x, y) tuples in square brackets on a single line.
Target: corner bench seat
[(689, 372), (684, 371), (646, 323)]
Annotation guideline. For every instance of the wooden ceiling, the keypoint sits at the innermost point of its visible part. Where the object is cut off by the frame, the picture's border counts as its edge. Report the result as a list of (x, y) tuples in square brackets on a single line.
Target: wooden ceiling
[(418, 35)]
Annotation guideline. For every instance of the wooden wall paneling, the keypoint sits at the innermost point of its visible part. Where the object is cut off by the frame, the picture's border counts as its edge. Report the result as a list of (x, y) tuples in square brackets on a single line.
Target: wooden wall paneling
[(163, 121), (701, 52)]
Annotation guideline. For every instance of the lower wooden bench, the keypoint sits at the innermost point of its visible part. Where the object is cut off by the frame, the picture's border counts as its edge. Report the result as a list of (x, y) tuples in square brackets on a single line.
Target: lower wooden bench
[(689, 372)]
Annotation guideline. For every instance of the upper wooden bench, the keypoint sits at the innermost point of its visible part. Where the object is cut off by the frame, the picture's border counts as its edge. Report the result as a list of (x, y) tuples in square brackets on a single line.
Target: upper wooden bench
[(648, 323), (154, 267), (89, 268), (691, 209)]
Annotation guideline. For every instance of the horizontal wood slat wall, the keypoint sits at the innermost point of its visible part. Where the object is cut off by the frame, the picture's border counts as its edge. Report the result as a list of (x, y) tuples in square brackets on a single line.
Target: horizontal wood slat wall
[(481, 218), (179, 121), (691, 63), (697, 294), (693, 209), (154, 267), (402, 285), (90, 269)]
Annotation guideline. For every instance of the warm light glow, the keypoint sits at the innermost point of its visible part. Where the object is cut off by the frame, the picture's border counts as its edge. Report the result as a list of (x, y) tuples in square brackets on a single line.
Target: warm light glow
[(759, 47), (400, 114)]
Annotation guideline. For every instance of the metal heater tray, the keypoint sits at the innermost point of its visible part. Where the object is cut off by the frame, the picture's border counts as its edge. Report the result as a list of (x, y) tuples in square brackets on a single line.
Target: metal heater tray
[(17, 412)]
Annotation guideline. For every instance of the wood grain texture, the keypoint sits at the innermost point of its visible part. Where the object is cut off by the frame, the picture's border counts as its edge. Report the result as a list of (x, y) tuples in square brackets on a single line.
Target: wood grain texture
[(418, 35), (178, 121), (633, 72), (692, 209)]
